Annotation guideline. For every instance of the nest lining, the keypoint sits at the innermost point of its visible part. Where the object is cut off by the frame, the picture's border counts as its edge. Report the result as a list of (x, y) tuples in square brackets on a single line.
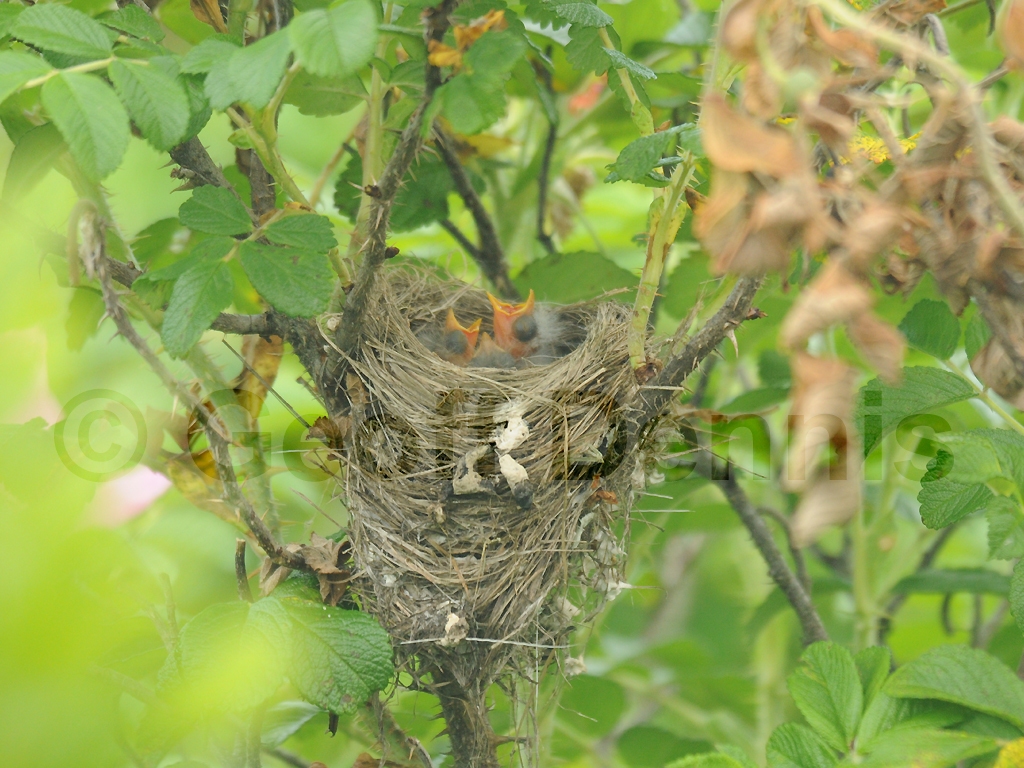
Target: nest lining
[(481, 509)]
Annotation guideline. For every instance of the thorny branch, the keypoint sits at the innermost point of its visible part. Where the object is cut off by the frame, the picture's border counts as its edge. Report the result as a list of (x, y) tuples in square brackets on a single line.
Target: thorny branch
[(489, 256), (218, 444), (543, 178), (781, 574), (376, 248)]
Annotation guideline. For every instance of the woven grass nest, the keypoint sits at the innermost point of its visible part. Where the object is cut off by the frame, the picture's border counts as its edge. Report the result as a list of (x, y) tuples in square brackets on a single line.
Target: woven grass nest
[(486, 521)]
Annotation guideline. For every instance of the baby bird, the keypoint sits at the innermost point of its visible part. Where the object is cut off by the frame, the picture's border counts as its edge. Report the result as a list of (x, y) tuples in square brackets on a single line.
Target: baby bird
[(530, 332), (456, 343), (490, 355)]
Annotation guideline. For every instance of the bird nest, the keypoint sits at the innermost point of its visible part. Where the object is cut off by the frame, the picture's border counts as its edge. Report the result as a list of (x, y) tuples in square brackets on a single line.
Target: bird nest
[(485, 515)]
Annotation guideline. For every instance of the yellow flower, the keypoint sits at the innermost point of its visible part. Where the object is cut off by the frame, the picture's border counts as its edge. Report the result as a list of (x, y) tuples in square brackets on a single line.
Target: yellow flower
[(1011, 756), (871, 147), (442, 55)]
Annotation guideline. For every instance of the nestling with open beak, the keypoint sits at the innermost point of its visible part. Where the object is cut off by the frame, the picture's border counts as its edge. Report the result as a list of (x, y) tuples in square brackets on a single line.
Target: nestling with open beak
[(456, 343), (530, 332), (490, 355)]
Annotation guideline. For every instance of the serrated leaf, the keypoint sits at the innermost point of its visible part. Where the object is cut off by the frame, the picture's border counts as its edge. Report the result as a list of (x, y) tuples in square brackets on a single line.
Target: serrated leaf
[(212, 51), (335, 42), (638, 157), (925, 748), (308, 231), (62, 29), (133, 21), (1017, 594), (873, 666), (299, 283), (471, 104), (199, 110), (8, 14), (338, 657), (249, 75), (827, 690), (961, 675), (792, 745), (156, 103), (944, 501), (91, 119), (227, 658), (585, 51), (756, 400), (216, 211), (930, 327), (976, 335), (585, 14), (322, 96), (1005, 528), (569, 277), (881, 407), (199, 295), (946, 581), (17, 68), (283, 720), (33, 155), (619, 60)]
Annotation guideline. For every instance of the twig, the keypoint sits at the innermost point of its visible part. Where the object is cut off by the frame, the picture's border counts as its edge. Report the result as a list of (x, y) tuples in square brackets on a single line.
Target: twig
[(241, 574), (700, 391), (662, 388), (289, 758), (218, 444), (927, 558), (459, 236), (387, 186), (261, 184), (798, 556), (786, 580), (998, 319), (489, 256), (545, 162), (192, 156)]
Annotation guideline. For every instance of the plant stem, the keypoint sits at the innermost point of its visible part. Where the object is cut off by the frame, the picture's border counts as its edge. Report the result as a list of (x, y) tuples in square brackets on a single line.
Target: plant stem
[(640, 114), (89, 66), (666, 217), (984, 396)]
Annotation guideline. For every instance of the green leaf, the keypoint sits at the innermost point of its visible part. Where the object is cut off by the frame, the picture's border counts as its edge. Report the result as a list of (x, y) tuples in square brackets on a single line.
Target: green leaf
[(873, 665), (309, 231), (592, 705), (944, 501), (585, 14), (1017, 594), (585, 51), (199, 295), (8, 14), (932, 328), (338, 657), (646, 746), (227, 658), (569, 277), (639, 157), (756, 400), (1005, 528), (155, 240), (216, 211), (773, 369), (322, 96), (198, 105), (827, 690), (335, 42), (299, 283), (706, 760), (961, 675), (85, 310), (157, 104), (620, 60), (881, 407), (16, 69), (249, 75), (61, 29), (133, 21), (792, 745), (946, 581), (90, 118), (33, 155), (886, 713), (976, 335), (283, 720), (925, 748), (471, 104), (208, 54)]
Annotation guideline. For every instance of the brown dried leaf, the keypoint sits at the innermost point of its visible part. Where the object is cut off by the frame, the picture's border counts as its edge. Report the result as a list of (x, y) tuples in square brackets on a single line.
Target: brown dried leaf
[(442, 55), (1010, 31), (847, 45), (736, 142), (909, 12), (761, 95), (821, 415), (327, 559), (900, 275), (739, 29), (872, 232), (263, 357), (834, 296), (208, 12), (826, 503), (995, 370), (881, 344)]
